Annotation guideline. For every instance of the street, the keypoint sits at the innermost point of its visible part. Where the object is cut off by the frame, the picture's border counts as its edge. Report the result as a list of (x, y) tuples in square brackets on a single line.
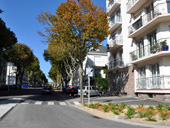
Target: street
[(49, 111)]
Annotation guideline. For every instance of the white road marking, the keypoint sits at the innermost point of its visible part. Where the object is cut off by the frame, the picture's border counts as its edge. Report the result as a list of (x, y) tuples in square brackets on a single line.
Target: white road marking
[(76, 103), (128, 101), (26, 102), (50, 103), (38, 102), (62, 103)]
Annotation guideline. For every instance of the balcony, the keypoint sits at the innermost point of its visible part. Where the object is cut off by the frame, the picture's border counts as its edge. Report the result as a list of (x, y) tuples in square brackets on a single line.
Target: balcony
[(115, 44), (134, 5), (153, 83), (113, 5), (147, 21), (117, 63), (149, 52), (115, 23)]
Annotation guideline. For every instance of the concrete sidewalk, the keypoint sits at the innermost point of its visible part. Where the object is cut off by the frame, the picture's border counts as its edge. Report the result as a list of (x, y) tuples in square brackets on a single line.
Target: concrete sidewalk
[(7, 104)]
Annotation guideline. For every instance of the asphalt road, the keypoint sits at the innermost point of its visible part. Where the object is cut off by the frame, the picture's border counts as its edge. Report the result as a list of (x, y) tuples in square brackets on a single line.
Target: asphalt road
[(60, 114)]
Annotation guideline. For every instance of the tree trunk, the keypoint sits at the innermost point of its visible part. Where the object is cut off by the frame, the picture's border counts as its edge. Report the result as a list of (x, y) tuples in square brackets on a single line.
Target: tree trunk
[(81, 82)]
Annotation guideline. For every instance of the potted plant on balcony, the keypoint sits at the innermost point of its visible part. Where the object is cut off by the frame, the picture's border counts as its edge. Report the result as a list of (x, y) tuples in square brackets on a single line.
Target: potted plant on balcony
[(133, 56), (164, 45), (156, 47)]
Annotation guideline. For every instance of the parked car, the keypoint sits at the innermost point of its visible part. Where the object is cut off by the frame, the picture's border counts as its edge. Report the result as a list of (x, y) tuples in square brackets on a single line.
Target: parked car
[(64, 88), (25, 86), (47, 89), (67, 90), (74, 90), (93, 91)]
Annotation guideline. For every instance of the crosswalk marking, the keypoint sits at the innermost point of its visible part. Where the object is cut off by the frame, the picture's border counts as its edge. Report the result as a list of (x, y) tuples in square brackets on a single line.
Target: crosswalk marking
[(38, 102), (26, 102), (76, 103), (62, 103), (50, 103)]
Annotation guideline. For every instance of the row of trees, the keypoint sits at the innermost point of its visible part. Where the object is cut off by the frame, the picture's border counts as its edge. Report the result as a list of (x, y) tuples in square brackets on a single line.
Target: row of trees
[(20, 55), (76, 27)]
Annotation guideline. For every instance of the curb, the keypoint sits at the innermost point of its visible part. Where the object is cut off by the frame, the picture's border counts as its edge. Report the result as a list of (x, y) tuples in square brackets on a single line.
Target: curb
[(9, 109), (123, 121)]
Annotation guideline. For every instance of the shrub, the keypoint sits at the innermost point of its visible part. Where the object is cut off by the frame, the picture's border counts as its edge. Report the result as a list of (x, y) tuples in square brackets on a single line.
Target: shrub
[(130, 112), (113, 108), (105, 108), (167, 107), (141, 106), (85, 104), (92, 106), (115, 112), (148, 113), (141, 114), (151, 107), (160, 106), (110, 103), (97, 105), (150, 118), (164, 116), (123, 105)]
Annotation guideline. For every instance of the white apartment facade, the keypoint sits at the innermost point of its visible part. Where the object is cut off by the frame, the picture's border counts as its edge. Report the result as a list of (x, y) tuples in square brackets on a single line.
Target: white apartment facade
[(149, 29), (121, 73)]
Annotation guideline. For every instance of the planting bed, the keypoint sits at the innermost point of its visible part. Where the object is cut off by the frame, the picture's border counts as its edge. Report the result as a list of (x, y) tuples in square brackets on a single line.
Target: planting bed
[(159, 114)]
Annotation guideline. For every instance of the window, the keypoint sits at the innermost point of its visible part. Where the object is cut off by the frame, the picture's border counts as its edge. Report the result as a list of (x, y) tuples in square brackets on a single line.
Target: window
[(168, 5), (97, 60), (97, 72), (152, 39), (142, 78), (155, 75), (141, 50)]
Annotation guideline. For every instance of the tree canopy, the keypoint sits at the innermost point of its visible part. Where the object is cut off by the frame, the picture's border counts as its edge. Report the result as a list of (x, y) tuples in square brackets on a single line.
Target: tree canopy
[(76, 26)]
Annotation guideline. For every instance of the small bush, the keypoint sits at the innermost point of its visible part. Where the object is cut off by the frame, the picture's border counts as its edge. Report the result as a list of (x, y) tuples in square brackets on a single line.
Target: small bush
[(110, 104), (130, 112), (85, 104), (140, 114), (150, 118), (115, 112), (164, 116), (167, 107), (92, 105), (160, 106), (148, 113), (105, 108), (113, 108), (151, 107), (141, 106), (123, 105)]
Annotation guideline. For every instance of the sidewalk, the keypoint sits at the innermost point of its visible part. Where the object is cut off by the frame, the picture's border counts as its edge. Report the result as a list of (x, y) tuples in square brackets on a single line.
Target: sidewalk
[(7, 104)]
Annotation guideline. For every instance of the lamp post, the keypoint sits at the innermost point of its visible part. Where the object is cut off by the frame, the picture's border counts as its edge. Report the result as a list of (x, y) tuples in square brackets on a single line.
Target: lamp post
[(89, 74)]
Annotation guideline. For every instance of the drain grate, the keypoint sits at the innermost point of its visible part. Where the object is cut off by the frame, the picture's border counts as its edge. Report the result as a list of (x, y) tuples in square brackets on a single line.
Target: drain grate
[(96, 117)]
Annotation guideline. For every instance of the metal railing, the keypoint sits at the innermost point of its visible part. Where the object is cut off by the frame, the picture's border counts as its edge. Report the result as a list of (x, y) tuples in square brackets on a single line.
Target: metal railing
[(114, 20), (116, 63), (116, 40), (111, 3), (155, 82), (147, 50), (157, 10)]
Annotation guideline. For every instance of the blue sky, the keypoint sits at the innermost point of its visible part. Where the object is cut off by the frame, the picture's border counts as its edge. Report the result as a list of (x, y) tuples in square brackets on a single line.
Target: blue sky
[(20, 17)]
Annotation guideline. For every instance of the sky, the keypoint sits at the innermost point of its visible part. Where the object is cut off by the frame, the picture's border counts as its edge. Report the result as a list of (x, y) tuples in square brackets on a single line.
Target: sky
[(20, 17)]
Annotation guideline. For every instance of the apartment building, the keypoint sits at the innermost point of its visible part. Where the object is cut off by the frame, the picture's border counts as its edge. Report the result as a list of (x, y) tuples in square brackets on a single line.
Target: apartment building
[(121, 73), (149, 29)]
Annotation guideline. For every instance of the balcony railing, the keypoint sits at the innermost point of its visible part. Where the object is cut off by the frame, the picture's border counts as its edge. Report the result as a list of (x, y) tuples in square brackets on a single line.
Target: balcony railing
[(117, 40), (111, 3), (148, 50), (155, 82), (159, 9), (114, 20), (116, 63)]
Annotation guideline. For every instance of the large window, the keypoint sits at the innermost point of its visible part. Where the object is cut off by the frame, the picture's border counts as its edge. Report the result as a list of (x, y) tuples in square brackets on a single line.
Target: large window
[(155, 75), (152, 40), (141, 50), (142, 78)]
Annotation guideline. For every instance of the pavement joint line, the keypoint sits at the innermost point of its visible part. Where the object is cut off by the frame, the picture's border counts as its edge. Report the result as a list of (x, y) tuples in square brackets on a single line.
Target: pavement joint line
[(50, 103), (123, 121)]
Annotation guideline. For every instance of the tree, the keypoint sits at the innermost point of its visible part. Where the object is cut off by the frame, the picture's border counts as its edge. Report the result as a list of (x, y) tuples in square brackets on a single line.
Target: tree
[(21, 56), (7, 40), (78, 26)]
